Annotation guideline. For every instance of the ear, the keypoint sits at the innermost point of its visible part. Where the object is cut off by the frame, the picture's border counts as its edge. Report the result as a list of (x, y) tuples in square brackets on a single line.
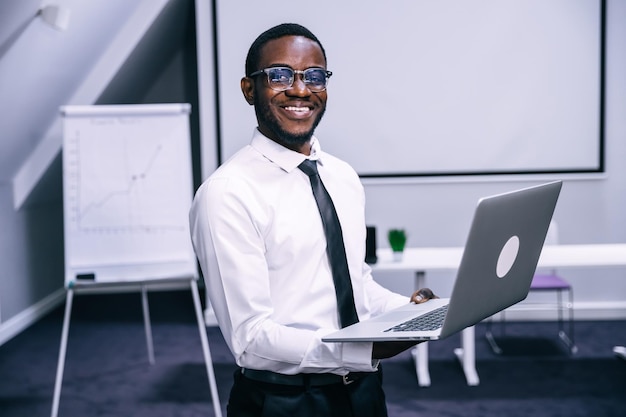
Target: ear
[(247, 88)]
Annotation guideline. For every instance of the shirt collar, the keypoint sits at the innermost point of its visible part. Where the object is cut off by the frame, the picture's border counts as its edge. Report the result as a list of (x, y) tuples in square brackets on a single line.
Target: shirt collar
[(285, 158)]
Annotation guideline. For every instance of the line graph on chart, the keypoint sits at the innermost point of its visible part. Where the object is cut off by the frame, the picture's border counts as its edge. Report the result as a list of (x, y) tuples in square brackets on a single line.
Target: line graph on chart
[(127, 189)]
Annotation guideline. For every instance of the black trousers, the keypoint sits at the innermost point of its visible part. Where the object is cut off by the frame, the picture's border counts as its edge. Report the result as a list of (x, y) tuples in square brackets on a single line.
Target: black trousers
[(362, 398)]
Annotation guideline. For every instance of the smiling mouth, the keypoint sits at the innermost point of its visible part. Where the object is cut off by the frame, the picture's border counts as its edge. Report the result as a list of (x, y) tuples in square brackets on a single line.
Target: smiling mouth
[(297, 109)]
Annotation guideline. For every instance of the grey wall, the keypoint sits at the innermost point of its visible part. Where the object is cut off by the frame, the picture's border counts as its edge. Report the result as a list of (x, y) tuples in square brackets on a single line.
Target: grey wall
[(31, 253), (437, 212), (31, 241)]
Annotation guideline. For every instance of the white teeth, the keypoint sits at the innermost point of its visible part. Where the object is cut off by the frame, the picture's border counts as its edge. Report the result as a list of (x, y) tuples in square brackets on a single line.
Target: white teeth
[(297, 109)]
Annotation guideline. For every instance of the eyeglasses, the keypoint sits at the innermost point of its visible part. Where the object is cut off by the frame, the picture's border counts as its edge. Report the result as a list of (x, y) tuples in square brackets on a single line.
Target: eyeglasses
[(282, 78)]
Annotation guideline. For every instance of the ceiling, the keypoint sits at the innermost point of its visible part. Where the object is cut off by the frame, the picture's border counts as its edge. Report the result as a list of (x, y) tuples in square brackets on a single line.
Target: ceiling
[(43, 68)]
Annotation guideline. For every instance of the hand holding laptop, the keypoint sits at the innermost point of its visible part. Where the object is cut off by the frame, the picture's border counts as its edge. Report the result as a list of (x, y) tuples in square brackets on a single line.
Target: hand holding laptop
[(384, 350)]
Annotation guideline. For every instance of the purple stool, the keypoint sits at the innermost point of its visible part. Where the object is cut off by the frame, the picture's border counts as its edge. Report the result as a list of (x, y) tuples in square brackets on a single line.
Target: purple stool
[(543, 282)]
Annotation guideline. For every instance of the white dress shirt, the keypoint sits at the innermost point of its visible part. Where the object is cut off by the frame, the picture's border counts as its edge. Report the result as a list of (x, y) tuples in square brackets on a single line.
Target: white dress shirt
[(260, 242)]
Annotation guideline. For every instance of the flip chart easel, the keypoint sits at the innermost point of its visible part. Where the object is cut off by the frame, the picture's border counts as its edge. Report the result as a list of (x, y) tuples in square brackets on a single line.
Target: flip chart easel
[(127, 189)]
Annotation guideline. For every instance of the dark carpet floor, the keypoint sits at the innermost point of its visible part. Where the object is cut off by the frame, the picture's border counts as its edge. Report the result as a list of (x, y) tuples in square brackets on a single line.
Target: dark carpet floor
[(107, 371)]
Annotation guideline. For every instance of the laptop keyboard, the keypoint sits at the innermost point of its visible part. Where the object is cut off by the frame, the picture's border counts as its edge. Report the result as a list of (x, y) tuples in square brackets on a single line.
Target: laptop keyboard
[(429, 321)]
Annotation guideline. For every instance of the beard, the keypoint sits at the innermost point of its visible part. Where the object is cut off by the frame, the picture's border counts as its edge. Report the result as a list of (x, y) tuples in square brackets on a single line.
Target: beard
[(265, 117)]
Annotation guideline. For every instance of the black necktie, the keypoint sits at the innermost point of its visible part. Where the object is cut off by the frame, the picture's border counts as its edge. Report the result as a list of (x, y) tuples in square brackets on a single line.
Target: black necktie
[(334, 245)]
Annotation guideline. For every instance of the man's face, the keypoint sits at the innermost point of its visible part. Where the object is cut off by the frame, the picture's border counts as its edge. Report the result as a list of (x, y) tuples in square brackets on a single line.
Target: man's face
[(287, 117)]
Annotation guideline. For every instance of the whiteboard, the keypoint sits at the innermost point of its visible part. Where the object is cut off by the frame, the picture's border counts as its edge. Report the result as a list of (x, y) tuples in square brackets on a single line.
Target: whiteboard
[(127, 190), (448, 87)]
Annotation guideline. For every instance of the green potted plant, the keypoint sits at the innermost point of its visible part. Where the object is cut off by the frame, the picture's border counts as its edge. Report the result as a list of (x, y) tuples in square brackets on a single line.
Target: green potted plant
[(397, 240)]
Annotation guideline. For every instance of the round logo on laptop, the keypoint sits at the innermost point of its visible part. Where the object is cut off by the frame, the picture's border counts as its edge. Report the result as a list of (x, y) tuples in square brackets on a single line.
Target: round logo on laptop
[(507, 257)]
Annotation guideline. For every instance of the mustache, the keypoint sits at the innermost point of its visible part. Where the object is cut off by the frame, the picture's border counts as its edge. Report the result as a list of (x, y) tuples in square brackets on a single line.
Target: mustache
[(265, 116)]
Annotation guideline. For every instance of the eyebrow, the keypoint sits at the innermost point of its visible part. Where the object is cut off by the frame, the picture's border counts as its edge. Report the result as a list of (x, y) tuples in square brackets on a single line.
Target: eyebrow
[(289, 66)]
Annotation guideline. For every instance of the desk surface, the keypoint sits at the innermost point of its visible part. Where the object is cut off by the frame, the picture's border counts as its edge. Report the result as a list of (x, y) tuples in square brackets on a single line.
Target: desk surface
[(449, 258)]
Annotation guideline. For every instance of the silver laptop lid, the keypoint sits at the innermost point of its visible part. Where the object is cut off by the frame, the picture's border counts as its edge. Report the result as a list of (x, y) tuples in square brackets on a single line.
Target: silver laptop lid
[(501, 254)]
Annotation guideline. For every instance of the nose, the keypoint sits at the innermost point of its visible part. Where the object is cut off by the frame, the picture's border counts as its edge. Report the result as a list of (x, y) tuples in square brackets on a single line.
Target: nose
[(299, 87)]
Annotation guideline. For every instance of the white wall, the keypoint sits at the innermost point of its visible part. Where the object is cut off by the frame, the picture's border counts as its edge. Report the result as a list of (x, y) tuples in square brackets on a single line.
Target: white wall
[(589, 210)]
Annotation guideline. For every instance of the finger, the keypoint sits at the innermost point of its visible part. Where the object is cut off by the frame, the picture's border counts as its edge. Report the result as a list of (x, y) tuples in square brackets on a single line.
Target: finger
[(418, 298), (423, 295)]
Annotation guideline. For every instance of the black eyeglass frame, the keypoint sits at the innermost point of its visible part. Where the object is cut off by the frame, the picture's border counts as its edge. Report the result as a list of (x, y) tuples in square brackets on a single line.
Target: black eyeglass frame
[(292, 79)]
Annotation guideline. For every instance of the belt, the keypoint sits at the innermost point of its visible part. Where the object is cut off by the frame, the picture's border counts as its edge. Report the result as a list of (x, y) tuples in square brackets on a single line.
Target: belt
[(302, 379)]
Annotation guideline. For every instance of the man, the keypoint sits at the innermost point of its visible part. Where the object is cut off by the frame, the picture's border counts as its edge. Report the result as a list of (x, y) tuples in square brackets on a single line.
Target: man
[(260, 240)]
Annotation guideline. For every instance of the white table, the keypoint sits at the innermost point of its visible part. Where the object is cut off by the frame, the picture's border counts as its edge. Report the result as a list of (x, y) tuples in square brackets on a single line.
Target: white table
[(424, 260)]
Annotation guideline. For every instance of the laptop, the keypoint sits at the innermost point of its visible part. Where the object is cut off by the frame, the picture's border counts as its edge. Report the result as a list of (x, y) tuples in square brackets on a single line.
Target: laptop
[(498, 263)]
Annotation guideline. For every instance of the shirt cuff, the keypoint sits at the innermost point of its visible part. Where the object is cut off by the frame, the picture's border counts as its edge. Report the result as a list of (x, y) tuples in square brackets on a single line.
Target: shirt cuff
[(357, 357)]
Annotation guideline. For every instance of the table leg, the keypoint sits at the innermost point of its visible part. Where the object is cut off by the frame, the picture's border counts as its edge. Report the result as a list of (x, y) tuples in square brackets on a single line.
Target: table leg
[(466, 353), (420, 356), (209, 314), (420, 352), (467, 356)]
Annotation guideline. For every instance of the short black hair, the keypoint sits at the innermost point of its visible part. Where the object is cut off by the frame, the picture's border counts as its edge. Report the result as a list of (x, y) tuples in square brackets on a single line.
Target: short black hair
[(284, 29)]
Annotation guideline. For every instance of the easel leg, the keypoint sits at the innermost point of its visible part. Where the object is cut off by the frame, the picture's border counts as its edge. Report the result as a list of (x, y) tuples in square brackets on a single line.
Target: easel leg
[(62, 351), (205, 348), (147, 324)]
